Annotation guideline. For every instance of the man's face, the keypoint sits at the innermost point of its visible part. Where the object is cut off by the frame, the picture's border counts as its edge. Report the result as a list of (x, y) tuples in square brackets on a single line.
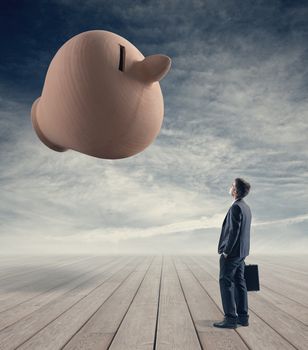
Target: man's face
[(232, 189)]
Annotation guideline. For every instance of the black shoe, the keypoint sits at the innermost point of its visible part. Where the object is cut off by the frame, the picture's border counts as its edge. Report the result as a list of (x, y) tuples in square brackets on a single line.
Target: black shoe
[(243, 321), (226, 323)]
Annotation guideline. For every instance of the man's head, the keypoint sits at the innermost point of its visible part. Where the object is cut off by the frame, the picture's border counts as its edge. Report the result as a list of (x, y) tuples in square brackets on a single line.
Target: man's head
[(240, 188)]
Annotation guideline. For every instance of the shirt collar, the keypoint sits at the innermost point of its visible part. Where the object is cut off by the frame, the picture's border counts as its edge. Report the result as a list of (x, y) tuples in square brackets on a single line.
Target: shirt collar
[(235, 200)]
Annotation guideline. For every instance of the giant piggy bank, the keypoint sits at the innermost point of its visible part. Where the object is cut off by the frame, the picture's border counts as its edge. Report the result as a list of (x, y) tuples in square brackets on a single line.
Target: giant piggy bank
[(101, 97)]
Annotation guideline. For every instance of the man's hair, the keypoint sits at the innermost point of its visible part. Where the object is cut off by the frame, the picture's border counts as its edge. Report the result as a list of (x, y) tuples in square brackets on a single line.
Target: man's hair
[(242, 187)]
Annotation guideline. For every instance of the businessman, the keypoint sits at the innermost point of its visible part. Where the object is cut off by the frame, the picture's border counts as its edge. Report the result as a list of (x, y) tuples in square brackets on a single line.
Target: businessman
[(234, 246)]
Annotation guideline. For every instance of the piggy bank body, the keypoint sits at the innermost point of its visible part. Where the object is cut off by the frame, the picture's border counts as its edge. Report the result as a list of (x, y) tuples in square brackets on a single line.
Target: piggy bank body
[(101, 97)]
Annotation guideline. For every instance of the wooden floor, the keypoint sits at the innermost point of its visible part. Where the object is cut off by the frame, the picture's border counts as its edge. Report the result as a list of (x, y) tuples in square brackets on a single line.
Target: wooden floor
[(146, 302)]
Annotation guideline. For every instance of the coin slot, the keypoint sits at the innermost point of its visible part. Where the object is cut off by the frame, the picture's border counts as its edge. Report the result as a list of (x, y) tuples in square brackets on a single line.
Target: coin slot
[(122, 58)]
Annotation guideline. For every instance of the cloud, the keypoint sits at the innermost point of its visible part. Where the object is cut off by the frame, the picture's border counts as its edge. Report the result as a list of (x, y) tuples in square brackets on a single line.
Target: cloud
[(287, 221)]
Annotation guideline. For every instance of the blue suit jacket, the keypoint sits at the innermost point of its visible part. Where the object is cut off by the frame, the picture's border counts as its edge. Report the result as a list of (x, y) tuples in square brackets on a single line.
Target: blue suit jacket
[(235, 232)]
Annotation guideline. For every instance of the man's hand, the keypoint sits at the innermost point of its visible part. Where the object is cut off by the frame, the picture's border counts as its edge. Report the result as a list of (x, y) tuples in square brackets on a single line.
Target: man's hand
[(224, 254)]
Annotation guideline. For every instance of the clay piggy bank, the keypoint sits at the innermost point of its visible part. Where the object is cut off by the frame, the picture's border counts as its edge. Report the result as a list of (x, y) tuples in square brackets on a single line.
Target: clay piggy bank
[(101, 97)]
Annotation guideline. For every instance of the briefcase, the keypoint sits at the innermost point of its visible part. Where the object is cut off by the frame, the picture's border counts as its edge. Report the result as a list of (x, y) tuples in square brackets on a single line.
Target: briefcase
[(251, 275)]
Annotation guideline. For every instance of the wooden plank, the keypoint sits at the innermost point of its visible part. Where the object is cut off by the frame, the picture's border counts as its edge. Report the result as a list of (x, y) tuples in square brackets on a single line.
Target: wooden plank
[(175, 326), (11, 260), (291, 267), (297, 280), (34, 303), (23, 330), (116, 309), (298, 262), (45, 280), (204, 312), (285, 325), (23, 265), (285, 304), (293, 278), (137, 331), (58, 332), (259, 335), (15, 260), (20, 267), (97, 333), (34, 274)]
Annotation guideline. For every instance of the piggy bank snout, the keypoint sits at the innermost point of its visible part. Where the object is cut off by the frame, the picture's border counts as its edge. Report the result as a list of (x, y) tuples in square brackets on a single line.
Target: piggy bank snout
[(151, 69)]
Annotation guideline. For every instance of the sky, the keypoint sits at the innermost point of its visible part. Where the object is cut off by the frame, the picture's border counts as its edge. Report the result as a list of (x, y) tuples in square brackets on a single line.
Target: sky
[(235, 106)]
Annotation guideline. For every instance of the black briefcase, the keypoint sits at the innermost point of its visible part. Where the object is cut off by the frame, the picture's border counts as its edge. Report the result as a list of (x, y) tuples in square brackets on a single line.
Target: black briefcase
[(252, 277)]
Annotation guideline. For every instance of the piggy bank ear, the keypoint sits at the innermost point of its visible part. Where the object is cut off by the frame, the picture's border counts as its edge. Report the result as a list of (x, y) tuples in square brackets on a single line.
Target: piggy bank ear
[(153, 68)]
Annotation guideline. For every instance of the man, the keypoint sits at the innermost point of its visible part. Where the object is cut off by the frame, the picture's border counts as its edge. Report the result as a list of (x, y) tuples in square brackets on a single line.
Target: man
[(234, 246)]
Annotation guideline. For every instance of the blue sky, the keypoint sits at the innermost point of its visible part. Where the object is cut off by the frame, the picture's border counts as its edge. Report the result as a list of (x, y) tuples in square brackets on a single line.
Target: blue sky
[(235, 106)]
